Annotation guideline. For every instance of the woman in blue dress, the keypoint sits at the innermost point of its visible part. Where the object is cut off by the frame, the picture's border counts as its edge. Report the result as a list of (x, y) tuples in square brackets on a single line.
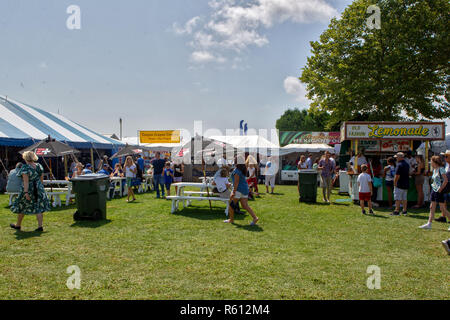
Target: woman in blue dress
[(32, 199)]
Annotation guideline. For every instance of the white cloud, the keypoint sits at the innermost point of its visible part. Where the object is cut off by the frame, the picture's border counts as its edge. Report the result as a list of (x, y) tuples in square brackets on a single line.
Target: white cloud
[(205, 56), (188, 26), (293, 86), (235, 25)]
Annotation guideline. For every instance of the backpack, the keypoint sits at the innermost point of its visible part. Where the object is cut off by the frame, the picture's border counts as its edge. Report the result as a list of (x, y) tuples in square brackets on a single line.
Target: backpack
[(447, 186)]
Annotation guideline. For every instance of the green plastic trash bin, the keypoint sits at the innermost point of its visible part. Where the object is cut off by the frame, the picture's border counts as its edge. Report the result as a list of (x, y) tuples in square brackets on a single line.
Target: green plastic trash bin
[(90, 195), (307, 185)]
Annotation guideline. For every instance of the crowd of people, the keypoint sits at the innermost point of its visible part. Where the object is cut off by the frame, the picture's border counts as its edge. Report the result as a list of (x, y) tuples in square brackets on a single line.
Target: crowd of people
[(239, 181)]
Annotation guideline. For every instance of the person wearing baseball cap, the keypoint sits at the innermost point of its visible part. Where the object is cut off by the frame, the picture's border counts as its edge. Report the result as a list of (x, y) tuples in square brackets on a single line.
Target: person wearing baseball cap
[(87, 169), (401, 185)]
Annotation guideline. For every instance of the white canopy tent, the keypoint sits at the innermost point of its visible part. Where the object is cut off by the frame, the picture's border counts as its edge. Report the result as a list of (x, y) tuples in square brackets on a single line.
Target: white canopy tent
[(436, 146), (302, 148), (251, 143)]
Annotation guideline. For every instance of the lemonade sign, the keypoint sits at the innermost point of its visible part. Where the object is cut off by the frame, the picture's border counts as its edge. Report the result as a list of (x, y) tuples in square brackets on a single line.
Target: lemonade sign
[(393, 130)]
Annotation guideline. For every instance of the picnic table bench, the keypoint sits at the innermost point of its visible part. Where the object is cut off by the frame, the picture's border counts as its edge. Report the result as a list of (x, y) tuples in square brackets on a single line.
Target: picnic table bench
[(187, 196)]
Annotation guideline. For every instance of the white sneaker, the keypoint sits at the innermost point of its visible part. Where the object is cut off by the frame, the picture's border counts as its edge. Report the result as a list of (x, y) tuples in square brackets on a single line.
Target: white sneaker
[(446, 244), (426, 226)]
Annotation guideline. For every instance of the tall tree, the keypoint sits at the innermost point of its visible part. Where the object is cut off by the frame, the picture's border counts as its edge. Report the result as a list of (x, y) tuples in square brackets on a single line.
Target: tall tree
[(302, 120), (398, 71)]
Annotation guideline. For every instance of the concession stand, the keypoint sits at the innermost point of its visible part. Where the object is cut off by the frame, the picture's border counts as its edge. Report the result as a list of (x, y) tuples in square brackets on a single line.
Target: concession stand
[(381, 140)]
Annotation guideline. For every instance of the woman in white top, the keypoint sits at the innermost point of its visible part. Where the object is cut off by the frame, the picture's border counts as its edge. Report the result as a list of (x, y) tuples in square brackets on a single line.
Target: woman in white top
[(130, 173), (302, 164)]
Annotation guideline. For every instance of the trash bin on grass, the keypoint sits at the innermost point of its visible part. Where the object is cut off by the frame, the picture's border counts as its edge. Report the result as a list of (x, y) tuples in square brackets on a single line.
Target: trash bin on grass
[(90, 195), (307, 185)]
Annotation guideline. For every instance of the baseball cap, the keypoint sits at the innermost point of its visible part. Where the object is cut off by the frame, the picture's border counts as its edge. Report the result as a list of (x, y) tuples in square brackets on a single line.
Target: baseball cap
[(399, 155)]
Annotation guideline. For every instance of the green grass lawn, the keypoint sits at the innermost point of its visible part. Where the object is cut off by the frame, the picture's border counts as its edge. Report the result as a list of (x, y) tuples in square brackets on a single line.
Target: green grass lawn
[(298, 251)]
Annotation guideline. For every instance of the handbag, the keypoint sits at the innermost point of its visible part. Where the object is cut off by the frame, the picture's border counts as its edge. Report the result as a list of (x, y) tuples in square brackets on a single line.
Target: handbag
[(377, 182)]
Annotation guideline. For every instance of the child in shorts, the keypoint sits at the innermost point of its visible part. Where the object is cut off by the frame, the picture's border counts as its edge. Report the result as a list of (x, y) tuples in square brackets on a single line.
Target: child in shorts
[(365, 189), (168, 177)]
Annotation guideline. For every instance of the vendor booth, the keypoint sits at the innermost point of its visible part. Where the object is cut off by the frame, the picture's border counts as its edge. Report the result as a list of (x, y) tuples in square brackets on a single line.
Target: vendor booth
[(290, 155), (381, 140)]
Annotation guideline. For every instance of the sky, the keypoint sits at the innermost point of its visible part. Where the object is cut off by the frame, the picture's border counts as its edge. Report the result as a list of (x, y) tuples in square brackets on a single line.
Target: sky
[(161, 65)]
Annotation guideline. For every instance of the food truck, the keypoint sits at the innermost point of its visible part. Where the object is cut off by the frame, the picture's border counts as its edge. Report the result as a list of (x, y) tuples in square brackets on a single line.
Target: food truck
[(383, 140)]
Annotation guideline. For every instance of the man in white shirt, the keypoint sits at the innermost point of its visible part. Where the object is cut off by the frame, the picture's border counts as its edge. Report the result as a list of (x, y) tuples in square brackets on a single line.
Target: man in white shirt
[(309, 162), (411, 161), (361, 160)]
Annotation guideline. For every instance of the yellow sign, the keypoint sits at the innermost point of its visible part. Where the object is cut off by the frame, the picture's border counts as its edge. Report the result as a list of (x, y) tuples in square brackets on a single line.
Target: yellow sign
[(393, 130), (165, 136)]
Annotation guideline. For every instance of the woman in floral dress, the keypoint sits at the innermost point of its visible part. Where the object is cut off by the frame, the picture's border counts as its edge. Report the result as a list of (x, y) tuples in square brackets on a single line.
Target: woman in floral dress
[(32, 199)]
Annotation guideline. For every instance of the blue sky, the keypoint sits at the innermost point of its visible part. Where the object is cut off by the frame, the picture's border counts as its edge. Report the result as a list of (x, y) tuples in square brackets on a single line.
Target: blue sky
[(161, 64)]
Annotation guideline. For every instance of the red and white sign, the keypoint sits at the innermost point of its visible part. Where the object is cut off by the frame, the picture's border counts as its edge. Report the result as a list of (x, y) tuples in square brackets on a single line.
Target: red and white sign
[(42, 151), (395, 145)]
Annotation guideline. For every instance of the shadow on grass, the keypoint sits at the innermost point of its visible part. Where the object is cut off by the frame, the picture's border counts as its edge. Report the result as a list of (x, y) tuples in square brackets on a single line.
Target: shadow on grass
[(90, 223), (248, 227), (377, 216), (202, 213), (23, 235), (315, 203)]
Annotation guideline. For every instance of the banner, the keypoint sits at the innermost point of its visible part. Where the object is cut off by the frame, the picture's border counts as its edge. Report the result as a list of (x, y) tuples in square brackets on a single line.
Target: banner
[(393, 130), (395, 146), (308, 137), (165, 136)]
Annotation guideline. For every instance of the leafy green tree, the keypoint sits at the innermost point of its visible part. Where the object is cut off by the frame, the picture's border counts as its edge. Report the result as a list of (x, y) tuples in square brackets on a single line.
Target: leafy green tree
[(398, 71), (302, 120)]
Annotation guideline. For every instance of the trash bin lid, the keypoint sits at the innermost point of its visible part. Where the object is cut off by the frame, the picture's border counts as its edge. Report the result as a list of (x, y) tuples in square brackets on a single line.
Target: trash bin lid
[(90, 176), (307, 171)]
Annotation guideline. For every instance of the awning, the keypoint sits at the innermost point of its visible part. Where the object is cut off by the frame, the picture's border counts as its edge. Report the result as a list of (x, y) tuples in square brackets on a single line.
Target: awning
[(22, 125)]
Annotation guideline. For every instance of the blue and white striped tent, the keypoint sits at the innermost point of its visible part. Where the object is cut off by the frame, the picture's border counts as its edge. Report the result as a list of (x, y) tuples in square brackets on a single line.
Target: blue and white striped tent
[(21, 125)]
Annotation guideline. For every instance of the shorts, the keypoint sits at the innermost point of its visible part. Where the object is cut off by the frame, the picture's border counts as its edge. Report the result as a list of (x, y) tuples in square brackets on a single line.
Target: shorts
[(400, 194), (239, 195), (389, 183), (129, 182), (226, 194), (270, 181), (437, 197), (167, 184), (178, 179), (447, 198), (365, 196)]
